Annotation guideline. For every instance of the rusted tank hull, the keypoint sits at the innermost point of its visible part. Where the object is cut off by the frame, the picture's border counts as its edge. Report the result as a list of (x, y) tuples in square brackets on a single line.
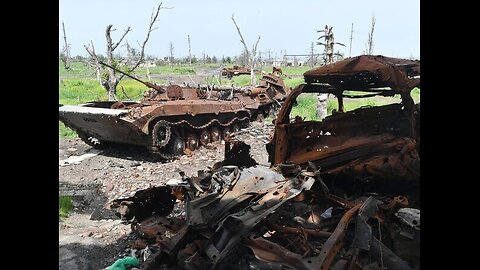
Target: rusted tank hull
[(171, 119)]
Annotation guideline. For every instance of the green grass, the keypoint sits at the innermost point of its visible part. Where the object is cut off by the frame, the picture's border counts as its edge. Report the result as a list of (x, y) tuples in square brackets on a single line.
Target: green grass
[(293, 82), (306, 104), (65, 206), (293, 70), (76, 70), (65, 132), (77, 91), (166, 69), (305, 108)]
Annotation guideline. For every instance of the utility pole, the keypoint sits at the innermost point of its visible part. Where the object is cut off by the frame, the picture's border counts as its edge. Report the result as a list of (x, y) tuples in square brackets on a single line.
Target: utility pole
[(269, 57), (189, 52), (351, 38), (311, 56), (171, 53)]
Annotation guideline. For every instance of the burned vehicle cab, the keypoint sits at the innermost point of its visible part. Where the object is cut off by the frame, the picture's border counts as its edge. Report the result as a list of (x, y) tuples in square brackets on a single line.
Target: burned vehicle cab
[(371, 148)]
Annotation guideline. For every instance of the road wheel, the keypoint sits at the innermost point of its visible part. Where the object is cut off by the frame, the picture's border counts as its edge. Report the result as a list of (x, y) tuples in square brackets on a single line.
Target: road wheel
[(236, 127), (176, 146), (226, 133), (260, 117), (192, 141), (215, 134), (205, 137)]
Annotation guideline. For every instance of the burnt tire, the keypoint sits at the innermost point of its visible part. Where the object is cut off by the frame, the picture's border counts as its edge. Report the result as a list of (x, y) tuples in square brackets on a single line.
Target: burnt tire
[(215, 134), (192, 141), (205, 137)]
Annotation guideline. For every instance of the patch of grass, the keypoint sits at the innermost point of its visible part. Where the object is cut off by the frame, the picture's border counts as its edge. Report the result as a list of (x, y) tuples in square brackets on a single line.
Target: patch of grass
[(415, 94), (244, 80), (65, 206), (65, 132), (293, 70), (166, 69), (76, 91), (306, 104), (76, 70), (305, 108), (293, 82)]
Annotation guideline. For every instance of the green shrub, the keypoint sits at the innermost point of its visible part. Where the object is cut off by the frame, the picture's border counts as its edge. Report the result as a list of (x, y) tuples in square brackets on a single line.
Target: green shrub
[(65, 206)]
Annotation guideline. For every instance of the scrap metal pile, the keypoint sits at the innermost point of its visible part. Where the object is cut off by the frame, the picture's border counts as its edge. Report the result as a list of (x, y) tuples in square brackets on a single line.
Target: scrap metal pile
[(340, 194), (283, 217)]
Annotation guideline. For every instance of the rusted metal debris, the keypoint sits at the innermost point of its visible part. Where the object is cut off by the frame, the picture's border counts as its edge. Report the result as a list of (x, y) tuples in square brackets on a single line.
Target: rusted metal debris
[(170, 119), (374, 148), (240, 217)]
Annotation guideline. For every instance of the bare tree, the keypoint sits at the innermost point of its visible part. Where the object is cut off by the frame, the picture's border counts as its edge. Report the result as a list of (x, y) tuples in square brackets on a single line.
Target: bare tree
[(65, 55), (189, 52), (328, 59), (250, 54), (329, 42), (110, 79), (312, 55), (369, 45)]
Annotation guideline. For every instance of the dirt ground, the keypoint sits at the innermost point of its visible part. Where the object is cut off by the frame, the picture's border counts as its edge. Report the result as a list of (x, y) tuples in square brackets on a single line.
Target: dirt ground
[(93, 237)]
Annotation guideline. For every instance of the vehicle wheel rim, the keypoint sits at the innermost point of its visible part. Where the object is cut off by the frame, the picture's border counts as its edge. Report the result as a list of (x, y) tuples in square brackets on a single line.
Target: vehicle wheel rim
[(215, 134), (204, 138)]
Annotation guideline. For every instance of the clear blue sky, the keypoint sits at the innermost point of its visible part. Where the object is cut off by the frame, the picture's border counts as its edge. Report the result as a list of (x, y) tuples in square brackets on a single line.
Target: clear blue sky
[(282, 25)]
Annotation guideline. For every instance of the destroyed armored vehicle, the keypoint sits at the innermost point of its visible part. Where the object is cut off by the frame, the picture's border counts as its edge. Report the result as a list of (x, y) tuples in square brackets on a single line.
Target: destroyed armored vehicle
[(235, 71), (369, 146), (171, 118)]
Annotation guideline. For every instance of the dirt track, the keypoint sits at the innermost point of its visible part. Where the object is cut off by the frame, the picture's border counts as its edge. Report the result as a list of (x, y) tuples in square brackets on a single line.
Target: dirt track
[(93, 237)]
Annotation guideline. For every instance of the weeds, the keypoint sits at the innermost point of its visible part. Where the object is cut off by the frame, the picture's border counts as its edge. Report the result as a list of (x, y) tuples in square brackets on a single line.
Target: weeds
[(65, 206)]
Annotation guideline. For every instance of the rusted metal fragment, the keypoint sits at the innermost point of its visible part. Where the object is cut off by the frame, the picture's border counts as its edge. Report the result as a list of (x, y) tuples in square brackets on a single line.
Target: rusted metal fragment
[(271, 252), (301, 230), (384, 254), (367, 71), (334, 243), (363, 231), (237, 153), (145, 203), (251, 182), (158, 227), (237, 225)]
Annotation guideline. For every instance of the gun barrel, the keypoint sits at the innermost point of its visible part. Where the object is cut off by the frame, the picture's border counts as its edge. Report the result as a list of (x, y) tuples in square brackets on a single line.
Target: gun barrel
[(156, 87)]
